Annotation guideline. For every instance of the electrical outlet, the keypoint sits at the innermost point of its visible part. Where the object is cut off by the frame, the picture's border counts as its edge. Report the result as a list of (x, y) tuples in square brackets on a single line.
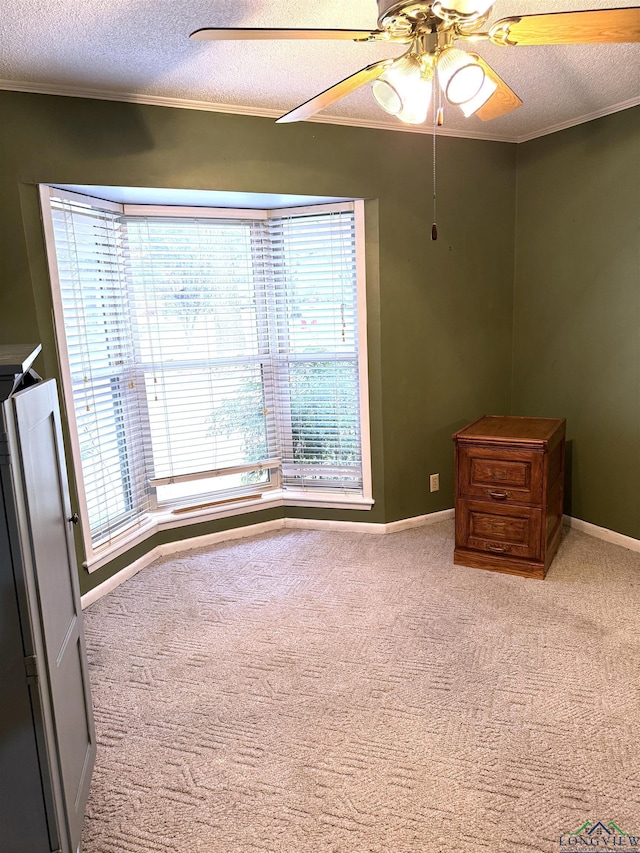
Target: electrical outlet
[(434, 482)]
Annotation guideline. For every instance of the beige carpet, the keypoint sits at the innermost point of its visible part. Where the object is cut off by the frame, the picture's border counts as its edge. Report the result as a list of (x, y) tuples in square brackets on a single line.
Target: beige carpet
[(307, 692)]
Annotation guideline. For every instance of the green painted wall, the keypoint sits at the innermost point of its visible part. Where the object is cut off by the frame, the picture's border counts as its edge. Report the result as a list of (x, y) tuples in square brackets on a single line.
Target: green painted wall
[(446, 311), (440, 314), (577, 308)]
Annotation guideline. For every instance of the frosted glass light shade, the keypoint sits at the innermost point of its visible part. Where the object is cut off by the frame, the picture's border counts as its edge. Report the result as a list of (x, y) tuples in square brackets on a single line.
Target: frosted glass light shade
[(404, 89), (488, 88), (461, 76), (386, 95), (416, 109)]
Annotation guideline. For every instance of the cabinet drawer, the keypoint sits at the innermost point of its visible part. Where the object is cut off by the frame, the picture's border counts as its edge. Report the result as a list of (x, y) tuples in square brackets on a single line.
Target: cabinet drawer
[(500, 474), (514, 531)]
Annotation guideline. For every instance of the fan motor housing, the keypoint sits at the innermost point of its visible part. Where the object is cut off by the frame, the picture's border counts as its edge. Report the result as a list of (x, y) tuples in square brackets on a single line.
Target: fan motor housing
[(392, 13), (400, 18)]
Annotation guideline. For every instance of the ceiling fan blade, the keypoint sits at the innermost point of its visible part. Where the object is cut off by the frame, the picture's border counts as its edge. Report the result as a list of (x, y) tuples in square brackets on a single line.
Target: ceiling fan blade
[(253, 33), (503, 100), (590, 26), (334, 93)]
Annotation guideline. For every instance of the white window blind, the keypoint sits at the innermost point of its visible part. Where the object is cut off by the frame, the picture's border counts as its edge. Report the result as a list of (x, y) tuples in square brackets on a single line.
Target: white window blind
[(197, 290), (207, 352), (316, 350), (101, 362)]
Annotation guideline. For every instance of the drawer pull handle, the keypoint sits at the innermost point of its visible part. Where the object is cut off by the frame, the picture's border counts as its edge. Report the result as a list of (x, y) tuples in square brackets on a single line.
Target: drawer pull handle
[(499, 549), (499, 496)]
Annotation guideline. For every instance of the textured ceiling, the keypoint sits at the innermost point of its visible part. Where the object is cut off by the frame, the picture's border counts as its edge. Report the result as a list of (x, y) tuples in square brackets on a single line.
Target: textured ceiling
[(139, 49)]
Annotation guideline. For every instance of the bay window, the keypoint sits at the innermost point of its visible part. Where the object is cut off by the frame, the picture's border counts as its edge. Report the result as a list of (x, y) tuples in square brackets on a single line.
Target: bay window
[(210, 358)]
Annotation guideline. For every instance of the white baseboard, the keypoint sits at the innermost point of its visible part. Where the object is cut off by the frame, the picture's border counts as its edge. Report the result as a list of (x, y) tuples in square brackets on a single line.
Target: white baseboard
[(254, 530), (602, 533), (318, 524), (120, 577), (367, 526), (174, 548), (419, 520)]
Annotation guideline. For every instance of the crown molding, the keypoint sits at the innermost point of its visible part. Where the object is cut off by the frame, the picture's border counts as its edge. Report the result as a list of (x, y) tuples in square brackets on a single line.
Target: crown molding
[(234, 109), (425, 129), (260, 112), (565, 125), (133, 98)]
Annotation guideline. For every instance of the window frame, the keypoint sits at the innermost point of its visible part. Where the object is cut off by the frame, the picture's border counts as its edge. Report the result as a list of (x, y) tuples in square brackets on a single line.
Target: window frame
[(160, 517)]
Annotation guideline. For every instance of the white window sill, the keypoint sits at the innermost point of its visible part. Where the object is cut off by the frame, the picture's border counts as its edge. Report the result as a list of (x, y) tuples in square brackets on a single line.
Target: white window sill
[(166, 520)]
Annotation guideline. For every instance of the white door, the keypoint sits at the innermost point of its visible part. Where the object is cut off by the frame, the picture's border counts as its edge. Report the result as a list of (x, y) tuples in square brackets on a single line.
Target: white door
[(54, 598)]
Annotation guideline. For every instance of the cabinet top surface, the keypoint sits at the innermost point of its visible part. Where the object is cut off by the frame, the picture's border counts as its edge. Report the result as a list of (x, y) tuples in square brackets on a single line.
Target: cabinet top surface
[(501, 428), (15, 358)]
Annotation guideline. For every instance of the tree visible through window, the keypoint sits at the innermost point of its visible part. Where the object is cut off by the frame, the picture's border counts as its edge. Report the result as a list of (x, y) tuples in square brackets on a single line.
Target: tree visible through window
[(209, 357)]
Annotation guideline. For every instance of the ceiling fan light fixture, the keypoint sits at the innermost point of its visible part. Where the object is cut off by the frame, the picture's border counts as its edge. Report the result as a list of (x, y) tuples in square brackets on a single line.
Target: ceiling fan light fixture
[(417, 109), (461, 10), (387, 97), (486, 91), (404, 89), (461, 76)]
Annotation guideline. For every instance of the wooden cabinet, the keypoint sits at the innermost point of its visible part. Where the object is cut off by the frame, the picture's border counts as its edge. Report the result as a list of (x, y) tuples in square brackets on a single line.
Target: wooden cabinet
[(509, 493)]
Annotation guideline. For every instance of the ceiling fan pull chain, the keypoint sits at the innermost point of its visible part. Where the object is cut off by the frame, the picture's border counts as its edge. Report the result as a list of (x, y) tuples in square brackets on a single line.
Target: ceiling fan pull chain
[(436, 114), (434, 227)]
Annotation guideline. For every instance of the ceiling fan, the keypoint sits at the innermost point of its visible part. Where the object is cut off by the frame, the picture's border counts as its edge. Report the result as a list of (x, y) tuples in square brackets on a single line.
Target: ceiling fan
[(404, 86)]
